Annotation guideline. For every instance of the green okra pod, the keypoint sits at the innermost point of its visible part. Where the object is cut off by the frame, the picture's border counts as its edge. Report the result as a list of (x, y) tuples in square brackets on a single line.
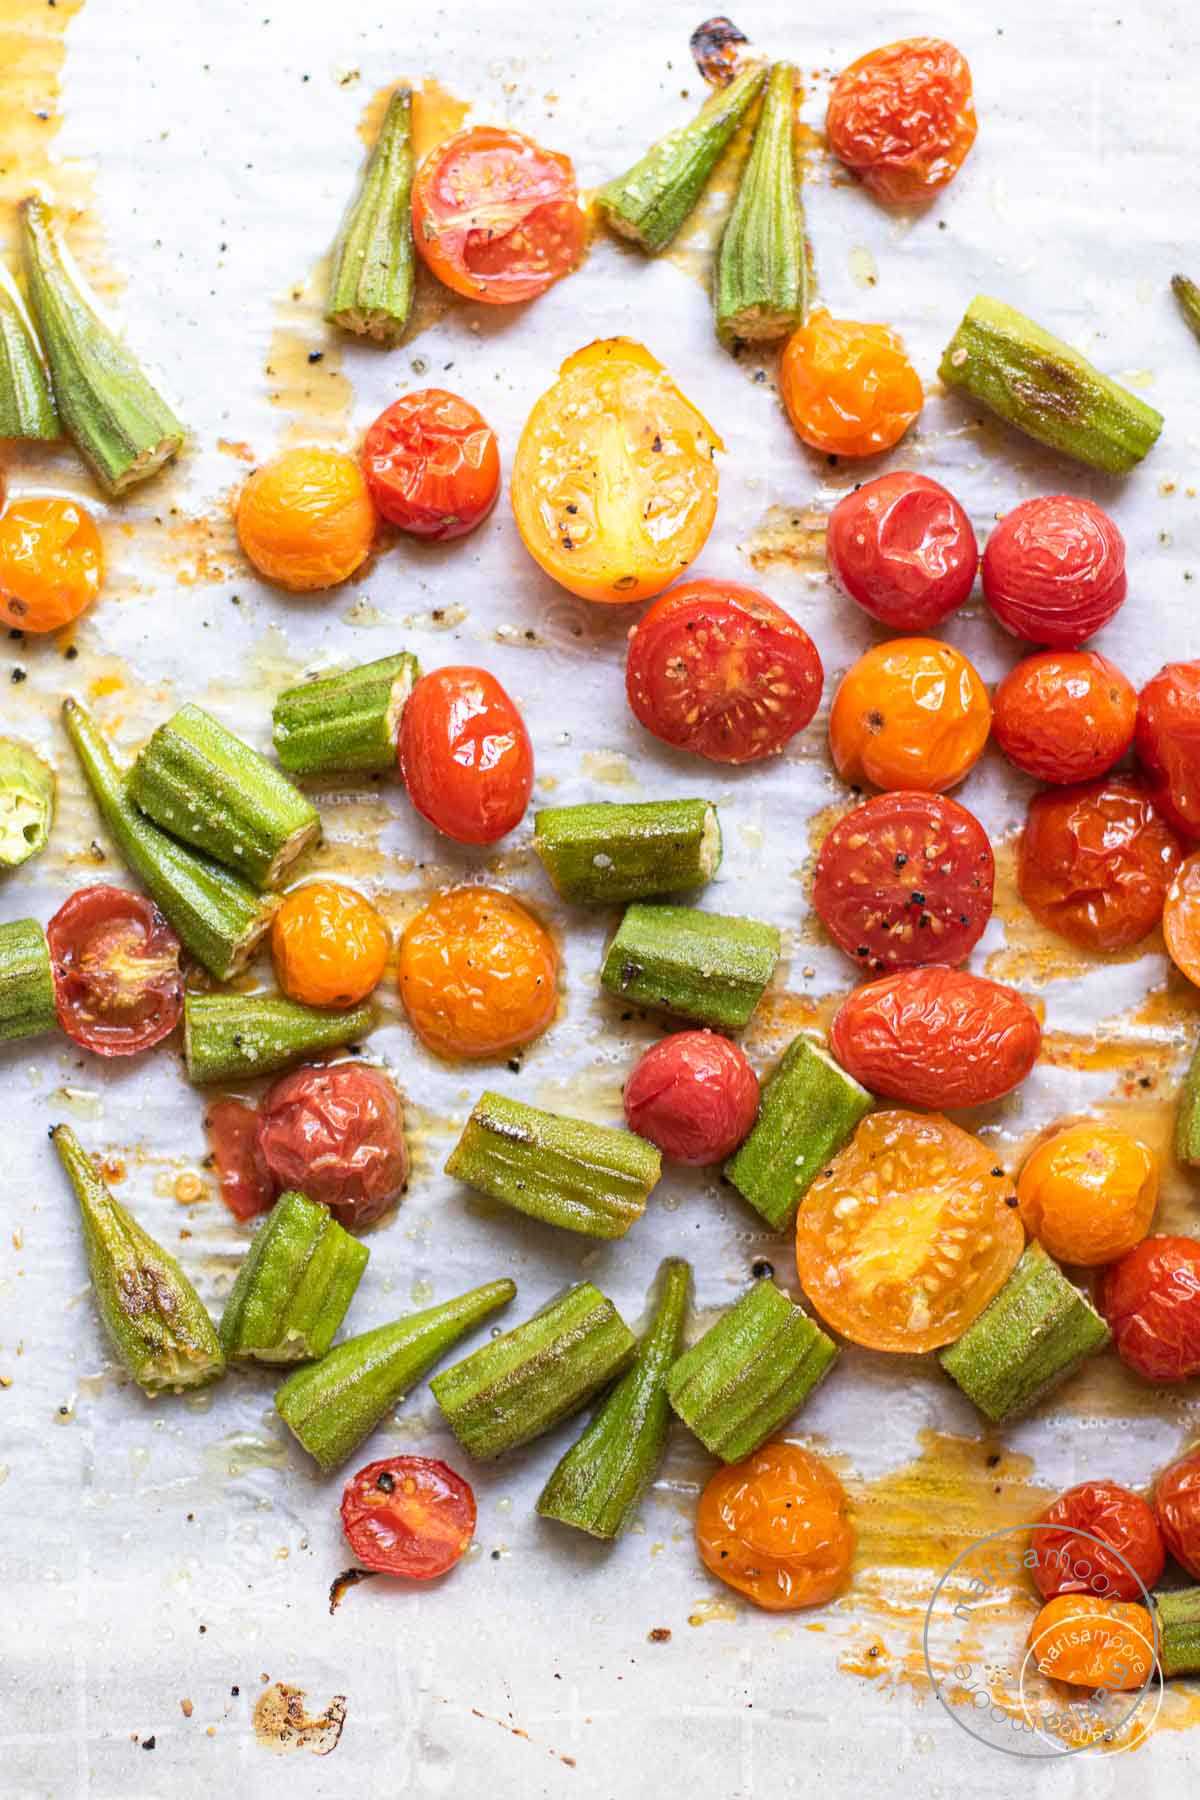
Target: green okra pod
[(609, 852), (701, 965), (761, 276), (233, 1037), (345, 723), (26, 803), (371, 279), (1178, 1613), (810, 1107), (294, 1285), (1188, 296), (27, 408), (1187, 1119), (27, 1005)]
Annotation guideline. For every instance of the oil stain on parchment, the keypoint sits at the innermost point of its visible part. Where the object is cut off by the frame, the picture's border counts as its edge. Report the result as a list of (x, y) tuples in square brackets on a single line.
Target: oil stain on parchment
[(282, 1724)]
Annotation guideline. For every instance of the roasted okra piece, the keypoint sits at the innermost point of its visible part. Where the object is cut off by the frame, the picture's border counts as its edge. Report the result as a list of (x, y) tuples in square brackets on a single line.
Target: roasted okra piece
[(371, 279), (27, 1002), (346, 723), (700, 965), (27, 408), (810, 1107), (761, 277), (294, 1285), (607, 853), (233, 1037)]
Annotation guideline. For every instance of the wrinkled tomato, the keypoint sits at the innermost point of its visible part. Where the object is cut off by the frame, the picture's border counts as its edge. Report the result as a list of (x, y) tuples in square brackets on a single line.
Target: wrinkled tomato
[(1054, 570), (51, 563), (911, 713), (720, 670), (776, 1528), (408, 1515), (1088, 1193), (1096, 861), (694, 1095), (1168, 742), (337, 1133), (478, 974), (1177, 1506), (1064, 715), (1070, 1563), (118, 986), (305, 519), (903, 548), (905, 878), (432, 465), (903, 119), (1151, 1299), (465, 755), (936, 1037), (330, 946), (848, 388), (246, 1184), (1181, 918), (1094, 1643)]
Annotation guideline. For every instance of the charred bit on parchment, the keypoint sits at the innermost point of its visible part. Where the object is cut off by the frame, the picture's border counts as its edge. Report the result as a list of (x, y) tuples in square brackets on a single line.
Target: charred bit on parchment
[(281, 1723), (719, 50), (341, 1584)]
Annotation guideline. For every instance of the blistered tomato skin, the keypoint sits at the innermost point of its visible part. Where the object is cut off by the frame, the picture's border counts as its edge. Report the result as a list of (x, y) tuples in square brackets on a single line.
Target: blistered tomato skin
[(1177, 1505), (409, 1516), (1054, 570), (848, 388), (1151, 1299), (904, 879), (902, 547), (903, 119), (432, 465), (1064, 716), (936, 1037), (1094, 1643), (1095, 862), (242, 1176), (51, 563), (776, 1528), (1181, 918), (1070, 1564), (694, 1095), (911, 713), (336, 1132), (465, 755), (1088, 1193), (305, 519), (329, 944), (1168, 742), (477, 974)]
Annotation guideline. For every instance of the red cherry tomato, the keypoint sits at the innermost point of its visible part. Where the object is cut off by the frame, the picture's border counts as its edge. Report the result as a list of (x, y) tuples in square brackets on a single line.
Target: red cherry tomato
[(1096, 861), (1151, 1299), (936, 1037), (905, 878), (1068, 1563), (1168, 742), (465, 755), (408, 1515), (242, 1176), (118, 987), (1054, 570), (903, 118), (718, 669), (694, 1095), (903, 548), (1064, 715), (1177, 1505), (432, 465), (337, 1133)]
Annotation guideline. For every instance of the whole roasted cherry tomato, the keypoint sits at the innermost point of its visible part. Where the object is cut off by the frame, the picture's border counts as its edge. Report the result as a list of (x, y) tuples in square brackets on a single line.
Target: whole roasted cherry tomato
[(330, 945), (1054, 570), (936, 1037), (432, 465), (1181, 918), (495, 216), (911, 713), (720, 670), (1177, 1506), (465, 755), (1168, 742), (693, 1094), (1064, 715), (776, 1527), (908, 1234), (1088, 1194), (478, 974), (337, 1133), (118, 987), (903, 118), (1096, 861), (903, 548), (1067, 1563), (1094, 1643), (242, 1176), (848, 389), (51, 563), (904, 879), (1151, 1299), (305, 519), (408, 1515)]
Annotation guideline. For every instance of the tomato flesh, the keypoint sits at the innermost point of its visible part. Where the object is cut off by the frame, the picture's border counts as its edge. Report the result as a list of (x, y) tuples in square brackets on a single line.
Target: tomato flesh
[(465, 755), (776, 1528), (1054, 570), (408, 1515), (1067, 1563), (244, 1180), (432, 465), (694, 1095), (1151, 1299), (1096, 861), (117, 980), (1094, 1643), (1177, 1505), (1064, 715), (903, 119), (337, 1133), (903, 549), (1168, 742)]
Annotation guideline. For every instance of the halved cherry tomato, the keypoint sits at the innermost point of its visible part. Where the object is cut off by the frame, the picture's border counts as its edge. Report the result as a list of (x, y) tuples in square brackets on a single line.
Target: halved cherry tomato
[(1094, 1643), (908, 1234), (1096, 861), (1054, 570), (903, 118), (432, 465), (903, 548), (337, 1133), (911, 713), (693, 1094), (614, 484), (478, 974), (776, 1528), (1067, 1563), (1151, 1299), (1177, 1506), (305, 519), (718, 669), (465, 755), (1168, 742), (1064, 715), (905, 879), (329, 944), (1181, 918), (936, 1037), (408, 1515), (242, 1176), (51, 563), (1088, 1194), (848, 389), (118, 987)]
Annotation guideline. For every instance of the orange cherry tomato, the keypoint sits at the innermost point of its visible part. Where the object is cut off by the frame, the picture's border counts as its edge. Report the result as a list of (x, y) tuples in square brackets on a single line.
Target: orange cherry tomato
[(1088, 1193), (432, 465), (903, 118), (1094, 1643), (478, 974), (495, 216), (465, 755), (614, 484), (911, 713), (1181, 918), (51, 563), (305, 519), (908, 1234), (776, 1528), (849, 389), (1064, 715), (330, 946), (1096, 861)]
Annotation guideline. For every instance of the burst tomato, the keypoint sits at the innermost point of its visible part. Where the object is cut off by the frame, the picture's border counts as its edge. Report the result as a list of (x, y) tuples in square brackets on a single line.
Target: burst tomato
[(905, 879), (242, 1176), (408, 1515), (1094, 1643), (1054, 570), (694, 1095), (911, 713), (329, 944), (1168, 742), (1096, 861), (432, 465), (51, 563), (903, 548), (936, 1037), (118, 987), (1064, 715), (1088, 1193), (1068, 1563), (720, 670), (614, 484), (478, 974), (848, 389), (908, 1234), (1177, 1506), (1151, 1299), (336, 1132), (305, 519), (903, 119), (465, 755), (776, 1528), (1181, 918)]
